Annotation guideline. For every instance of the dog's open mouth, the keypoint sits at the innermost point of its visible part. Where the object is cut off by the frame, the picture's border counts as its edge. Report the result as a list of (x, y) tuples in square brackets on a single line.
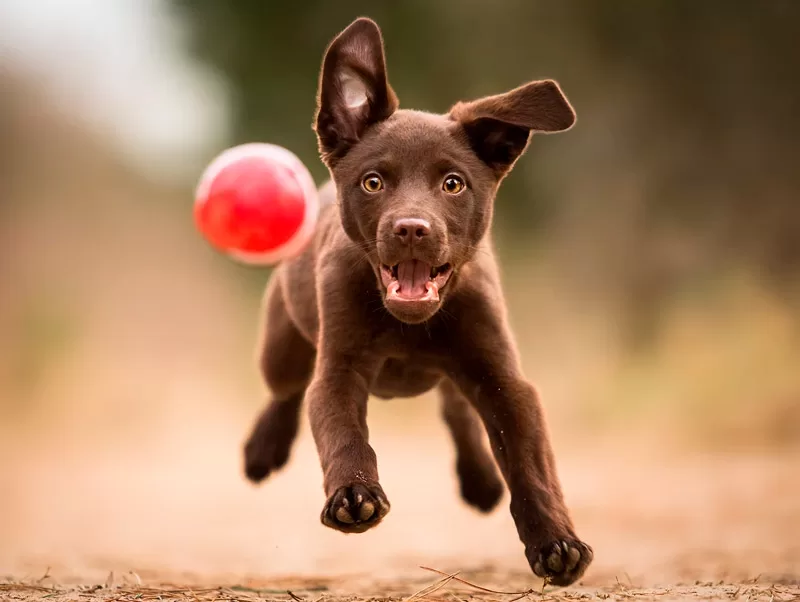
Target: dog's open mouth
[(414, 280)]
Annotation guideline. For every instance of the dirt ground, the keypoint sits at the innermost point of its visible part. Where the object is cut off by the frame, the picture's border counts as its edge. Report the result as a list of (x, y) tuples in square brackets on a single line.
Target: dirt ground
[(163, 514), (450, 588)]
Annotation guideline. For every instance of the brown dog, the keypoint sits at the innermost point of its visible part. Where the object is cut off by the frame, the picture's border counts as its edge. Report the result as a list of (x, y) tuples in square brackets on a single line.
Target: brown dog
[(399, 293)]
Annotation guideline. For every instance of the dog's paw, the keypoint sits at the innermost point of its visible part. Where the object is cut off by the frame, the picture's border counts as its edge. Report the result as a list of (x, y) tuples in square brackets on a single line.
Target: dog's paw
[(262, 457), (356, 508), (562, 562), (480, 485), (270, 443)]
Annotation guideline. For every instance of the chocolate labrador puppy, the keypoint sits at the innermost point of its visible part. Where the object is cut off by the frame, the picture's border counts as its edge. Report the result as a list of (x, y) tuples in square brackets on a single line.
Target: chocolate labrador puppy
[(399, 293)]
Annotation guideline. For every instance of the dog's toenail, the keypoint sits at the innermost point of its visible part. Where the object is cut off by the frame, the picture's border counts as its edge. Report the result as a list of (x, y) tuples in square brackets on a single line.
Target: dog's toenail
[(359, 498), (538, 569), (366, 511), (343, 516)]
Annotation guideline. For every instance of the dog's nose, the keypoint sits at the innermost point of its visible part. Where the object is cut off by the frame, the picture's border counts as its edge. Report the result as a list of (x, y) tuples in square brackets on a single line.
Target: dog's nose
[(411, 230)]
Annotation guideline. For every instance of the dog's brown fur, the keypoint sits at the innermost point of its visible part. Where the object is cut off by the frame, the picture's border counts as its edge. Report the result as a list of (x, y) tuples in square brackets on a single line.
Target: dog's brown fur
[(334, 333)]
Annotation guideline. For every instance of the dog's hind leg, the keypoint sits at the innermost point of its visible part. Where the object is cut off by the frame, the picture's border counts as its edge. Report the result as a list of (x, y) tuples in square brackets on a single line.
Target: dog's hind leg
[(479, 480), (287, 361)]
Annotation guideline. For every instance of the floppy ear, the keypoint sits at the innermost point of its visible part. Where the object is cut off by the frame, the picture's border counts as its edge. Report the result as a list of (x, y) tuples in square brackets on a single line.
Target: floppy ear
[(499, 127), (354, 92)]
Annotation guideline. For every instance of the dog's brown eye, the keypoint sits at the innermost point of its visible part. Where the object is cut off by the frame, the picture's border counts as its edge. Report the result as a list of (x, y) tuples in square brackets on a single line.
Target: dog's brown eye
[(453, 185), (372, 183)]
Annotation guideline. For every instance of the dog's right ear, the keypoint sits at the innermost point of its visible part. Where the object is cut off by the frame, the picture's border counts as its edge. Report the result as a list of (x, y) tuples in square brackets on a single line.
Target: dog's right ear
[(354, 91)]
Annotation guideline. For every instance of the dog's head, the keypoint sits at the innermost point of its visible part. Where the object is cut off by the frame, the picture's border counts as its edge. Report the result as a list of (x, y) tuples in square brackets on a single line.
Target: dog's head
[(416, 190)]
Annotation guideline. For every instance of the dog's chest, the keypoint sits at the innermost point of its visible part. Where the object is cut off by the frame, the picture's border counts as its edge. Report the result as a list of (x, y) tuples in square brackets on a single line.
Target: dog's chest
[(409, 343), (411, 362), (404, 378)]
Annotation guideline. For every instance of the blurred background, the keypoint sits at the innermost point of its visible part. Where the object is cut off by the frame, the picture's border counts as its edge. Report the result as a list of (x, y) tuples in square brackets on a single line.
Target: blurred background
[(651, 258)]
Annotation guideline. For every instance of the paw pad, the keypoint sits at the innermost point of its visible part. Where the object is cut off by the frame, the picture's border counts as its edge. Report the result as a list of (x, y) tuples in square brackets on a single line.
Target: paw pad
[(356, 508), (563, 562)]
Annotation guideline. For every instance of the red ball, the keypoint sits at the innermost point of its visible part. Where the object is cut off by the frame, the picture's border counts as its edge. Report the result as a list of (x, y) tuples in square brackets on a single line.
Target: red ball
[(257, 203)]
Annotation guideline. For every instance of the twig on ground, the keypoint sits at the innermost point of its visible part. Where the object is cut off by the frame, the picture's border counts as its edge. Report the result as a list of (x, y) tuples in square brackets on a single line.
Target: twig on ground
[(429, 589), (27, 586), (45, 576), (478, 587)]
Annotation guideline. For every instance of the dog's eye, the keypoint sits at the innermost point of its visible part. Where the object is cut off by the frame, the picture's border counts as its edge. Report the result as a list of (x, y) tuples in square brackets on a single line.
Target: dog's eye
[(372, 183), (453, 184)]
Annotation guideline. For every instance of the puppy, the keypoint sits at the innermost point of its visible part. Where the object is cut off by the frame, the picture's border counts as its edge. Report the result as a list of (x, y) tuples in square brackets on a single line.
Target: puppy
[(399, 293)]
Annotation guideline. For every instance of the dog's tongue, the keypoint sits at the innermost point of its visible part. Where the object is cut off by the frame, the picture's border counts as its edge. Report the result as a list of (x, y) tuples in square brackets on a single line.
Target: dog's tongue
[(413, 276)]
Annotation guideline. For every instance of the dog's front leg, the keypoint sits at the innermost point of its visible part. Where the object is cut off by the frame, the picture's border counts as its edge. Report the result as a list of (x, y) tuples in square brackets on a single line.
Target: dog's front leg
[(337, 405), (489, 375)]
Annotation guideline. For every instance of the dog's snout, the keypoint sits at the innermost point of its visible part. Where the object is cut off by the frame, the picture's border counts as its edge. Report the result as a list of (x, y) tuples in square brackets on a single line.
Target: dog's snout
[(411, 230)]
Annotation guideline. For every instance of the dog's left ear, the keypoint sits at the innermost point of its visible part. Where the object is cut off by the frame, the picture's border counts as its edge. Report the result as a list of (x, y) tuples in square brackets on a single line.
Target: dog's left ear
[(354, 91), (499, 127)]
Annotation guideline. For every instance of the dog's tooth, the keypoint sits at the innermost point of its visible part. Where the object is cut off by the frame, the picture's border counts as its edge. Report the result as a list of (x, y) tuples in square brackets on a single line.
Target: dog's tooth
[(432, 293)]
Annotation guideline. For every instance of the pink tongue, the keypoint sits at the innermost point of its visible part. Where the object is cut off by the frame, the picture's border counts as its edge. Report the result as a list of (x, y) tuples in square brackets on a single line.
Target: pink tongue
[(412, 276)]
